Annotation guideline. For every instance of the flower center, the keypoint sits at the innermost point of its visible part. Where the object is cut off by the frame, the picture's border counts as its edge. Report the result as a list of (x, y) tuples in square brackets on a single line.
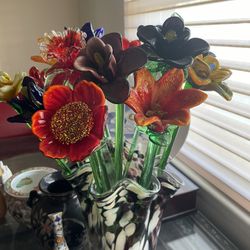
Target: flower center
[(99, 59), (201, 69), (202, 74), (158, 113), (170, 35), (72, 123)]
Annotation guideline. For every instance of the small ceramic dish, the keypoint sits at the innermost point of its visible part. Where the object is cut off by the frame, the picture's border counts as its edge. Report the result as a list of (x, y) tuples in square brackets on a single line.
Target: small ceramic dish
[(17, 189)]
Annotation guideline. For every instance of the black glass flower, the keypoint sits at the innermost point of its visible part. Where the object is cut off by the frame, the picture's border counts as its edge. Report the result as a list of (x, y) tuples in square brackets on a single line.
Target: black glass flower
[(170, 42), (30, 101), (104, 62)]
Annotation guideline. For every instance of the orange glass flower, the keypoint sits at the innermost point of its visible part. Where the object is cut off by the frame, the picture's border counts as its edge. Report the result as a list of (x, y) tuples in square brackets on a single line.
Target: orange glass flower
[(162, 102), (72, 123)]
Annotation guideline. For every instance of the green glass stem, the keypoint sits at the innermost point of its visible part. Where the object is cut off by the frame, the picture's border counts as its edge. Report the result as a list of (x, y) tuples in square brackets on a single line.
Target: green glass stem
[(107, 132), (96, 174), (64, 167), (131, 150), (158, 150), (119, 111), (103, 167), (101, 170), (148, 165), (167, 150)]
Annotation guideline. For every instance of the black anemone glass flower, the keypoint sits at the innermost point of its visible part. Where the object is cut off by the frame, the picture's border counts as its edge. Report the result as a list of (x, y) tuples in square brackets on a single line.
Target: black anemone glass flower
[(170, 43), (31, 101)]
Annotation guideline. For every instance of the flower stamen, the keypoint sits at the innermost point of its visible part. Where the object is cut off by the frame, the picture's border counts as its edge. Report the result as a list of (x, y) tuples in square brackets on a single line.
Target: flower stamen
[(72, 123), (170, 35)]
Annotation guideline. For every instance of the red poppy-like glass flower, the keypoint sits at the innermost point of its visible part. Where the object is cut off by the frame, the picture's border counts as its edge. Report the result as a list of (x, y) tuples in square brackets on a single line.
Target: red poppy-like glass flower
[(72, 123), (60, 47), (162, 102), (128, 44)]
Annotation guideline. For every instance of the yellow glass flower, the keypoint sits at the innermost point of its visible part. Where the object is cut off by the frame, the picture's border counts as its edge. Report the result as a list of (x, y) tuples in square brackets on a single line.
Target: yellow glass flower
[(9, 89), (206, 73)]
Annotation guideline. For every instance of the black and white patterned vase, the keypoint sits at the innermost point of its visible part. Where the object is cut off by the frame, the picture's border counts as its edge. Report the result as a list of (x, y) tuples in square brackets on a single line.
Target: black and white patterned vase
[(169, 186), (128, 217), (123, 215)]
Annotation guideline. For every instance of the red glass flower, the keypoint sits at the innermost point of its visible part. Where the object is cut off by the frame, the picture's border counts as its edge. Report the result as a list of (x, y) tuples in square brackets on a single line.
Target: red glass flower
[(162, 102), (128, 44), (60, 47), (72, 123)]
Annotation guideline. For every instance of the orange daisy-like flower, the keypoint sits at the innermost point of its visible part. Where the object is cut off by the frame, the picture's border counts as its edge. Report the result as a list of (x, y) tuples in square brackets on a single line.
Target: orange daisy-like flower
[(72, 123), (162, 102), (60, 47)]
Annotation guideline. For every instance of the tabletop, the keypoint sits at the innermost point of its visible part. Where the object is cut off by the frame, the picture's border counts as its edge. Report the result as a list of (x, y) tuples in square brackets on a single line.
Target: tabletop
[(190, 232)]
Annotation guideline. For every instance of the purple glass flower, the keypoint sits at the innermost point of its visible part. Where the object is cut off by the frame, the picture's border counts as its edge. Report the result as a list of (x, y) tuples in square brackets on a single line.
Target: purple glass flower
[(87, 28)]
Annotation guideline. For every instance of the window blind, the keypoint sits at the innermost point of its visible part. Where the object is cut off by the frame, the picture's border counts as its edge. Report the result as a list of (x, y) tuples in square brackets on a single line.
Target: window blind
[(218, 144)]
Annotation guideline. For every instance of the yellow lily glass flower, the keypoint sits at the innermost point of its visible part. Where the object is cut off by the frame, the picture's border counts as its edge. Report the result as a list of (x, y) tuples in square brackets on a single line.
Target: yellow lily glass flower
[(206, 73), (9, 89)]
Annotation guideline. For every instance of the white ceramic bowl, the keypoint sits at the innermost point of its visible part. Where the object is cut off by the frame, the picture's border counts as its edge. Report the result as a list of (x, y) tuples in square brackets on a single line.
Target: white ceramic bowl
[(17, 189)]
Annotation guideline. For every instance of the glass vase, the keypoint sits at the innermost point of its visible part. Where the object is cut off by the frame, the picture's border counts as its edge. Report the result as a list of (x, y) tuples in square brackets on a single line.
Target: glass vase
[(123, 215), (128, 216)]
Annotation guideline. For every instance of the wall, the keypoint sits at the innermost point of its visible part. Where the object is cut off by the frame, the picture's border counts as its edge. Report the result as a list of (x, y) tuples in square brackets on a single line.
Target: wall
[(108, 14), (22, 22)]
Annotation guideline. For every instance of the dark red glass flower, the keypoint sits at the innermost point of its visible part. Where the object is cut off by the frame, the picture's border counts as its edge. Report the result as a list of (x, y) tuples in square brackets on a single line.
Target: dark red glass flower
[(37, 76), (104, 61)]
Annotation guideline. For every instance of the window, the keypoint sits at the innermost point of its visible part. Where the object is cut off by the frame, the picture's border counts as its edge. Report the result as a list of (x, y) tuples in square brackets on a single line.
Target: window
[(218, 144)]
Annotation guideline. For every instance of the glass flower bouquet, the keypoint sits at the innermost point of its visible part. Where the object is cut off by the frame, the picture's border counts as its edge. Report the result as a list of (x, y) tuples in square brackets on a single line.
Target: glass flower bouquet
[(64, 104)]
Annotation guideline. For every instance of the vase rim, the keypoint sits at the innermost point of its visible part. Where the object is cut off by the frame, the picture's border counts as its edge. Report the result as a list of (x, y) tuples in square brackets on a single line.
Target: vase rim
[(172, 178), (127, 181)]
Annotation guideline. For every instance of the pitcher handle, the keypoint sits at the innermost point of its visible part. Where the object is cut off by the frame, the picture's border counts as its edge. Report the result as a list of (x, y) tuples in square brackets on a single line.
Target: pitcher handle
[(34, 197)]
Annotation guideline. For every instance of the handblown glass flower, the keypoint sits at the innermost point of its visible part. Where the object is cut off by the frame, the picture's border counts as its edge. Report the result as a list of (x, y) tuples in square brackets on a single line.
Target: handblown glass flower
[(60, 50), (60, 47), (89, 32), (105, 62), (37, 76), (170, 42), (9, 89), (72, 123), (159, 103), (127, 44), (206, 74), (28, 102)]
